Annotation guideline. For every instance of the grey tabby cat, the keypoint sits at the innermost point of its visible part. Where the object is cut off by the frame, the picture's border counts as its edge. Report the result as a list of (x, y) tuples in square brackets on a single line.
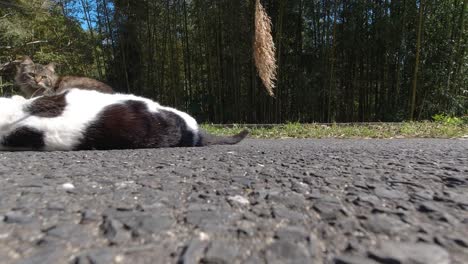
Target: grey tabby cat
[(36, 79)]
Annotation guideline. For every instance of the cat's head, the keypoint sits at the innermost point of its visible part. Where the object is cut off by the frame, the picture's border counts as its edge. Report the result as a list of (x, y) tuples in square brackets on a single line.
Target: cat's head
[(35, 75)]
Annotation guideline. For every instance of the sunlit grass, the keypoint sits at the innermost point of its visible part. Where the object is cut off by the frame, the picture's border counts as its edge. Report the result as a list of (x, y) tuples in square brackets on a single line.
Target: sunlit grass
[(377, 130)]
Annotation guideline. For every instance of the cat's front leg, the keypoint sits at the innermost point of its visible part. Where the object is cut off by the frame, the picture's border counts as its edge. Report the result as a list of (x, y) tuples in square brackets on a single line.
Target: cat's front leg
[(49, 91)]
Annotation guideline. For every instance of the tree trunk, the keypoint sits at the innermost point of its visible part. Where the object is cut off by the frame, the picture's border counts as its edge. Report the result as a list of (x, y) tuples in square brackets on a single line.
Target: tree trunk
[(416, 63), (460, 46), (279, 40), (187, 52), (332, 80), (85, 7)]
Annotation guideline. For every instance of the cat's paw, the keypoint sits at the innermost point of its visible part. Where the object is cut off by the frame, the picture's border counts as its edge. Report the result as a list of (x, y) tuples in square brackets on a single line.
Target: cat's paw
[(49, 92)]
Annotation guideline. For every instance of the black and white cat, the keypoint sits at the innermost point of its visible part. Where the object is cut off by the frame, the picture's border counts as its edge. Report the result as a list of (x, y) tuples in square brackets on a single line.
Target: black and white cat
[(81, 120)]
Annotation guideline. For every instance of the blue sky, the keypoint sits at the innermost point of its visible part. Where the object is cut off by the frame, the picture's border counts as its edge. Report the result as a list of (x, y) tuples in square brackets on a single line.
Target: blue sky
[(78, 13)]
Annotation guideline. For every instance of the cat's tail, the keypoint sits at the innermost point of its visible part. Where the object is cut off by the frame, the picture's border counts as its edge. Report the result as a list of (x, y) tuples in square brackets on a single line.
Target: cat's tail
[(209, 139)]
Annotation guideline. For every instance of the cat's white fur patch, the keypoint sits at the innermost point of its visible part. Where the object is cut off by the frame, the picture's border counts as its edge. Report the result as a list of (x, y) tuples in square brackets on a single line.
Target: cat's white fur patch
[(64, 132), (18, 98), (11, 112)]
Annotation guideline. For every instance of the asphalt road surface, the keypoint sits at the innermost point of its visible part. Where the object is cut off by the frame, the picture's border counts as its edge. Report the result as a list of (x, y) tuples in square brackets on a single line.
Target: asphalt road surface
[(262, 201)]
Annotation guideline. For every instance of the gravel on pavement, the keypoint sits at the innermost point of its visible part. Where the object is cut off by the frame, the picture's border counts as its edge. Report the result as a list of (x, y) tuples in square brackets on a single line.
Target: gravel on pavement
[(261, 201)]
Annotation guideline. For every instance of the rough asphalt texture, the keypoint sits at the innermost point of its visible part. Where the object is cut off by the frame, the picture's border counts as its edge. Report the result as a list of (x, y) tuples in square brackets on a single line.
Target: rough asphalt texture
[(262, 201)]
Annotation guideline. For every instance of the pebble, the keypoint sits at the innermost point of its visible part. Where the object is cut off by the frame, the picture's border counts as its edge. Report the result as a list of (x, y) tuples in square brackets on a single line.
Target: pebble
[(404, 252), (353, 259), (221, 252), (384, 224), (68, 186), (97, 256), (194, 252), (287, 253), (239, 199), (17, 217), (390, 194), (114, 231)]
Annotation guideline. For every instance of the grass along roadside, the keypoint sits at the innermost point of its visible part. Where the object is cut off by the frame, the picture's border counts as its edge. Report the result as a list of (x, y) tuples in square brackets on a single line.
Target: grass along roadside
[(367, 130)]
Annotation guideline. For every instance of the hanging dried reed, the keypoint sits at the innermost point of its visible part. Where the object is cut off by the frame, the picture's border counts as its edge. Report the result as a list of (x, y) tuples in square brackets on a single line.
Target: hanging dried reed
[(264, 48)]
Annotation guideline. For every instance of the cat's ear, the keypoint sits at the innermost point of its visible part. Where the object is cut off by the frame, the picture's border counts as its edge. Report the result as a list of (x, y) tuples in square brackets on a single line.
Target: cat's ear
[(26, 61), (51, 66)]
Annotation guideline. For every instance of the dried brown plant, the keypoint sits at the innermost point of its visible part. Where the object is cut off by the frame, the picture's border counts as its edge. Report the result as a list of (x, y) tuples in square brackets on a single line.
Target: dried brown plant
[(264, 48)]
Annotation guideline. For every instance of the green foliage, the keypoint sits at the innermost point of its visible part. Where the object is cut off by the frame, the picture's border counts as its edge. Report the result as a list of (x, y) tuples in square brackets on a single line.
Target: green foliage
[(40, 30), (378, 130), (339, 61), (450, 120)]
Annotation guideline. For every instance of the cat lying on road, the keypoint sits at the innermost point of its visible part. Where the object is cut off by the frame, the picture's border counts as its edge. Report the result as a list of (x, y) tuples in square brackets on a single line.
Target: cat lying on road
[(81, 120)]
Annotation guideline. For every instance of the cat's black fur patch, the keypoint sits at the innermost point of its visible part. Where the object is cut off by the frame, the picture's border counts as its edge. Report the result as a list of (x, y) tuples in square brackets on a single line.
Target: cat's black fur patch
[(130, 125), (24, 137), (48, 106), (185, 135)]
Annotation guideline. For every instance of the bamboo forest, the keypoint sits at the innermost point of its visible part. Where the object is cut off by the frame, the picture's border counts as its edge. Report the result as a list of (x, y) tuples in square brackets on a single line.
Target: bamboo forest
[(337, 61)]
